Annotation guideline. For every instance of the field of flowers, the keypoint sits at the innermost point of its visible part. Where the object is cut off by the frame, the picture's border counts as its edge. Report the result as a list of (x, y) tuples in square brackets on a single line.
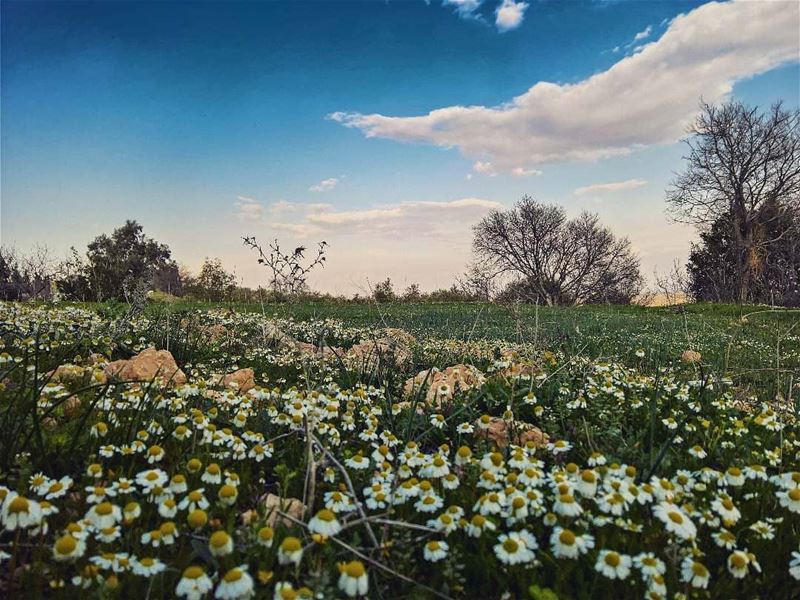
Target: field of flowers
[(226, 454)]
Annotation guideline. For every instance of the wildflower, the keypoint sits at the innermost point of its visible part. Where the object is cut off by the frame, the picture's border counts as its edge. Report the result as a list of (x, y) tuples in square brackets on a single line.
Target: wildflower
[(698, 452), (155, 454), (613, 564), (726, 509), (265, 537), (353, 579), (649, 564), (194, 584), (739, 562), (20, 512), (220, 543), (290, 551), (566, 544), (515, 548), (147, 567), (435, 550), (559, 447), (567, 506), (675, 520), (235, 584), (150, 479), (68, 548), (694, 573), (790, 499), (324, 523), (227, 494), (794, 565), (103, 515), (212, 474)]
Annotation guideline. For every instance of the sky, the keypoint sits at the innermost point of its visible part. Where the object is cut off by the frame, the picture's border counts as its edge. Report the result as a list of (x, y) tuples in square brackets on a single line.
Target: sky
[(386, 128)]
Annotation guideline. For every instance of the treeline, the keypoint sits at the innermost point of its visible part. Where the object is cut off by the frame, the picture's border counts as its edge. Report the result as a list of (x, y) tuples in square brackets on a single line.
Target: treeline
[(126, 266)]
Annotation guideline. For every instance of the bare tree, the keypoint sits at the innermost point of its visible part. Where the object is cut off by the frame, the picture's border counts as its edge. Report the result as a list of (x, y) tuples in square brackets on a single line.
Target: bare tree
[(674, 285), (739, 161), (288, 274), (561, 260)]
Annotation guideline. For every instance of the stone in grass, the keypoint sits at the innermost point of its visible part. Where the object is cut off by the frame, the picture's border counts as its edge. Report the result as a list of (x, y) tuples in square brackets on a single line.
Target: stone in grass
[(146, 366)]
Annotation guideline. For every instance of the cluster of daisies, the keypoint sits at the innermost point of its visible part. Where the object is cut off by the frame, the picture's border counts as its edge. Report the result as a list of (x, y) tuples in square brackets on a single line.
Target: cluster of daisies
[(195, 491)]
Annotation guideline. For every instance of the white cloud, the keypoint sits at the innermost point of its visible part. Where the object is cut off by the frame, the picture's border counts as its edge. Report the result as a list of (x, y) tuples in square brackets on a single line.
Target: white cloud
[(248, 209), (484, 168), (616, 186), (644, 99), (466, 9), (282, 206), (509, 15), (325, 185), (417, 218), (521, 172), (643, 34)]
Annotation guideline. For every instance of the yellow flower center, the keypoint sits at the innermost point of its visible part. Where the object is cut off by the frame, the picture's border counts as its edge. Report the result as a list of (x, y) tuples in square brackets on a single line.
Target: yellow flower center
[(193, 572), (66, 545)]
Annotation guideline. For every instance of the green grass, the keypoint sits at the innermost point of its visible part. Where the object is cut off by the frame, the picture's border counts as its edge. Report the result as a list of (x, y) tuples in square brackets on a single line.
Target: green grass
[(756, 346)]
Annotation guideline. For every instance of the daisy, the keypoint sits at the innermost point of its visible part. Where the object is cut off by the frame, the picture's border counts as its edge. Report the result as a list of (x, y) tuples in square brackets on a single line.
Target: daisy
[(353, 579), (613, 564), (290, 551), (20, 512), (147, 567), (790, 499), (68, 548), (478, 524), (103, 515), (694, 573), (194, 584), (235, 584), (726, 509), (435, 550), (515, 548), (265, 537), (220, 543), (649, 564), (567, 506), (675, 520), (566, 544), (325, 523), (739, 561)]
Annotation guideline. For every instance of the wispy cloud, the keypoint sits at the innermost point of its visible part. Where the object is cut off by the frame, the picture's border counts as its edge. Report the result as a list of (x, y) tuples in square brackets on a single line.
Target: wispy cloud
[(248, 209), (325, 185), (509, 15), (643, 34), (466, 9), (420, 218), (615, 186), (702, 53)]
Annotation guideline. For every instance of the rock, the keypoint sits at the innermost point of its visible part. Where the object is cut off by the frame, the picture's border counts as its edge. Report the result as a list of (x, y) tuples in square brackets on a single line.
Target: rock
[(293, 507), (72, 407), (146, 366), (391, 345), (522, 433), (691, 356), (242, 380), (443, 385)]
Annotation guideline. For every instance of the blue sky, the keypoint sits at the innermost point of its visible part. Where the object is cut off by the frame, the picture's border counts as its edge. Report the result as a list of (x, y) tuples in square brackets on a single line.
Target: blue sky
[(208, 121)]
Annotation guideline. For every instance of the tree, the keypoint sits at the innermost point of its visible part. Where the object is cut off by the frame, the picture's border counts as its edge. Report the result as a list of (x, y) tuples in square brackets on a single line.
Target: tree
[(27, 276), (562, 261), (739, 161), (288, 271), (121, 266), (213, 283), (712, 266), (384, 291)]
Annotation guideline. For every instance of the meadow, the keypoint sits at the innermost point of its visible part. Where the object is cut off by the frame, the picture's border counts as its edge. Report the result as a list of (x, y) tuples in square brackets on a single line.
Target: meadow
[(323, 450)]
